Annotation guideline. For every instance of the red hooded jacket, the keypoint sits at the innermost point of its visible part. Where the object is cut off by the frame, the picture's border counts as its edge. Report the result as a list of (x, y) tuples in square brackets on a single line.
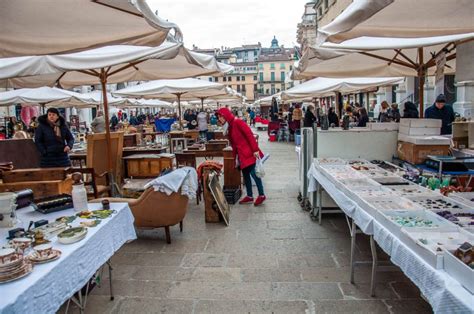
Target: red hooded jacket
[(241, 139)]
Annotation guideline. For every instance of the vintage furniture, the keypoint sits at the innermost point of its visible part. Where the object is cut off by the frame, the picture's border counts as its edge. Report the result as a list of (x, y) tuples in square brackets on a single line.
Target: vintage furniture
[(147, 165), (185, 160), (232, 176), (176, 142), (155, 209), (133, 188), (97, 158), (216, 145), (21, 152), (42, 181), (89, 179), (130, 140), (153, 149)]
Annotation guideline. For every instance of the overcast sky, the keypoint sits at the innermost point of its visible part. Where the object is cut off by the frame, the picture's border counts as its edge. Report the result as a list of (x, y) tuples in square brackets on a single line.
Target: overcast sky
[(216, 23)]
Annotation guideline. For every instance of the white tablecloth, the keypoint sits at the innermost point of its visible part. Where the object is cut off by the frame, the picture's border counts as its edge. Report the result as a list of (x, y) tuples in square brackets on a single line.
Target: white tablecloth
[(51, 284), (444, 293)]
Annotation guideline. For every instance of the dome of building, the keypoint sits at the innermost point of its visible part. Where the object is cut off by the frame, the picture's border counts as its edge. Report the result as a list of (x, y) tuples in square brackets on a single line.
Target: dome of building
[(274, 42)]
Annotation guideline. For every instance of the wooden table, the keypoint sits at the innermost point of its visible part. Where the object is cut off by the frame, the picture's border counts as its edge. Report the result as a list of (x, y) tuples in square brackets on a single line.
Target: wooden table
[(203, 153), (81, 155)]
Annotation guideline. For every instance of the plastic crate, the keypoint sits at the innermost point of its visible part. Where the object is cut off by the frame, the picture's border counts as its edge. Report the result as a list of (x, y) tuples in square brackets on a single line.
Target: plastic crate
[(232, 195)]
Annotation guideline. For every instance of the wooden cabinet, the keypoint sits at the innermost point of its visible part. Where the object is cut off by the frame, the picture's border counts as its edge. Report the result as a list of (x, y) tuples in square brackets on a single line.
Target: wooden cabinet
[(147, 165)]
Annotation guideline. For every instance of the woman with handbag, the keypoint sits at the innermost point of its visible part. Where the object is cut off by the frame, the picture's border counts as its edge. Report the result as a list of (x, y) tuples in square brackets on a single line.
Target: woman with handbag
[(246, 152)]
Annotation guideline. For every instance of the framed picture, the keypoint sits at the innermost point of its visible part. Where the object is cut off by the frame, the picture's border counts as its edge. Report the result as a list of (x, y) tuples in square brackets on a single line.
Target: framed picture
[(219, 196)]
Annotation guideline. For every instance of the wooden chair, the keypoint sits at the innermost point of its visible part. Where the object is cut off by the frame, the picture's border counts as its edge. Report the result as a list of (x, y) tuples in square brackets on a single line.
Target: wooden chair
[(154, 209), (97, 158), (89, 179)]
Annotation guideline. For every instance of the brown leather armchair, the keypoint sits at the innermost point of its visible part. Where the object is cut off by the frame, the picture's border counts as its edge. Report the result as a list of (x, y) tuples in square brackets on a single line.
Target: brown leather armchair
[(155, 209)]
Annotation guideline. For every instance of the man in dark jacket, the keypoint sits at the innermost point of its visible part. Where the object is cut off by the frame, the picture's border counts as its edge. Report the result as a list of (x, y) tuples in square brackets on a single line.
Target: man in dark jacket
[(309, 117), (445, 113), (53, 140)]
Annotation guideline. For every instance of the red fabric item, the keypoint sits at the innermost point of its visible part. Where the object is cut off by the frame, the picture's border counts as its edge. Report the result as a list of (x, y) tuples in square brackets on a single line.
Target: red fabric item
[(241, 138), (214, 165), (261, 120)]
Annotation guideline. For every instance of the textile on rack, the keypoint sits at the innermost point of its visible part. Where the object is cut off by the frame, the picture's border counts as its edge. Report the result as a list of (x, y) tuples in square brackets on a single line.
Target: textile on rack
[(164, 125), (183, 178), (213, 165)]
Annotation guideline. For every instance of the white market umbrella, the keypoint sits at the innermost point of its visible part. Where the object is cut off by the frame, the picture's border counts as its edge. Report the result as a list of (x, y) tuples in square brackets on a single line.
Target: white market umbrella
[(181, 89), (400, 18), (380, 57), (145, 103), (41, 95), (268, 99), (88, 100), (119, 64), (108, 65), (322, 86), (60, 26)]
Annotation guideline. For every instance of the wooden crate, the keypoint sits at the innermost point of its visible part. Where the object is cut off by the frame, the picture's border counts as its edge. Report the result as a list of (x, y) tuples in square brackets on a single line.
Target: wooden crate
[(40, 188), (37, 174), (417, 154)]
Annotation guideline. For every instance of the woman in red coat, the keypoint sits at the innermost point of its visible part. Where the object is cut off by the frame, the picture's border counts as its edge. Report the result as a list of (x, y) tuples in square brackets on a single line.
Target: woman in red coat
[(246, 150)]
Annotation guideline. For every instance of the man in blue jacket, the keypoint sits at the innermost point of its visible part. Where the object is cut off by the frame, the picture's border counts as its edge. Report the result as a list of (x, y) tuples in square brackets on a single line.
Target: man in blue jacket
[(440, 110)]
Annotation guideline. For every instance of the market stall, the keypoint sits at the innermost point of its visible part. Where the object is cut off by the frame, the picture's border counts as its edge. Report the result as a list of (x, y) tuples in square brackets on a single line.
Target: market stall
[(402, 219), (54, 277)]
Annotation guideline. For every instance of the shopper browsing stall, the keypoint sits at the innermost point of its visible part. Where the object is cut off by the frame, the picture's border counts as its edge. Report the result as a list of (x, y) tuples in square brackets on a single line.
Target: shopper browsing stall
[(246, 150), (53, 140), (439, 110), (309, 117)]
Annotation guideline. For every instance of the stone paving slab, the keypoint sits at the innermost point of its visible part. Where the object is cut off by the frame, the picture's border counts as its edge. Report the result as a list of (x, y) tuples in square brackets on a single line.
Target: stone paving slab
[(271, 259)]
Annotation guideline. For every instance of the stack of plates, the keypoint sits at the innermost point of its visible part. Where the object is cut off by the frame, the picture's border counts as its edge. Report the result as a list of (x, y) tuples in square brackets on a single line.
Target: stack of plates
[(13, 266)]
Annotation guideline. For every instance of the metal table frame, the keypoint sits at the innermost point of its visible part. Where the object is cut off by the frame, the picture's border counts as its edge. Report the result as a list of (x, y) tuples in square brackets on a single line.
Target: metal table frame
[(80, 300)]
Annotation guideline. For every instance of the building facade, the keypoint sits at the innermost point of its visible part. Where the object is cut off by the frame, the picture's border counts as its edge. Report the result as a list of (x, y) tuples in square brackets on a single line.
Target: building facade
[(306, 29)]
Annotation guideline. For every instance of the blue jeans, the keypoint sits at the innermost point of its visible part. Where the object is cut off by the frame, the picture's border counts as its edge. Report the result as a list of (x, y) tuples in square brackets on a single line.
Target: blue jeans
[(250, 172)]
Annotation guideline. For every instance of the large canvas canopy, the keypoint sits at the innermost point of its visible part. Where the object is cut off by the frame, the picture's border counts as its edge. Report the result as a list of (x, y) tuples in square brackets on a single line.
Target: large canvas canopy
[(41, 95), (323, 86), (377, 57), (123, 63), (400, 18), (58, 26)]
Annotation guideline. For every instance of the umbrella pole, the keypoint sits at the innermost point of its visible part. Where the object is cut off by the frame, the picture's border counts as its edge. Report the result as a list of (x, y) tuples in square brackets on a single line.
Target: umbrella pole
[(421, 78), (202, 103), (179, 111), (110, 168)]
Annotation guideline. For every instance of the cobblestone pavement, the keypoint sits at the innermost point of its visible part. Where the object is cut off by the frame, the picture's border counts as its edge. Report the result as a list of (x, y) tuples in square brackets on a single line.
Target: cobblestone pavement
[(272, 258)]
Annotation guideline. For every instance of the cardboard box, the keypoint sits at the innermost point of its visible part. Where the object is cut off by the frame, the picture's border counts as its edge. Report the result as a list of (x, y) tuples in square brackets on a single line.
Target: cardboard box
[(384, 126), (421, 123), (419, 131), (425, 139), (417, 154)]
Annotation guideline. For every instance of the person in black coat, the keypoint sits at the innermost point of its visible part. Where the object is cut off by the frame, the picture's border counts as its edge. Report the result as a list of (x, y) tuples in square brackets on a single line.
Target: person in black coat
[(440, 110), (363, 118), (333, 118), (309, 117), (410, 111), (53, 140)]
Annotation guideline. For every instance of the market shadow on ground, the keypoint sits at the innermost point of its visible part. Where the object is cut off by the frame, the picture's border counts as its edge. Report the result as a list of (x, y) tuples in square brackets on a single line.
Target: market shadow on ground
[(271, 259)]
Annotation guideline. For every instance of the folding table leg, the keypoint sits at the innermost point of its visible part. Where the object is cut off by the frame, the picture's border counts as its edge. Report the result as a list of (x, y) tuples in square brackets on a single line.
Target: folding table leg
[(353, 245), (373, 249), (110, 280)]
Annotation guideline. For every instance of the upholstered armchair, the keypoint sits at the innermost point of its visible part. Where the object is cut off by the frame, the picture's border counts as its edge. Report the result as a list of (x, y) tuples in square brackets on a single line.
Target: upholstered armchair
[(155, 209)]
